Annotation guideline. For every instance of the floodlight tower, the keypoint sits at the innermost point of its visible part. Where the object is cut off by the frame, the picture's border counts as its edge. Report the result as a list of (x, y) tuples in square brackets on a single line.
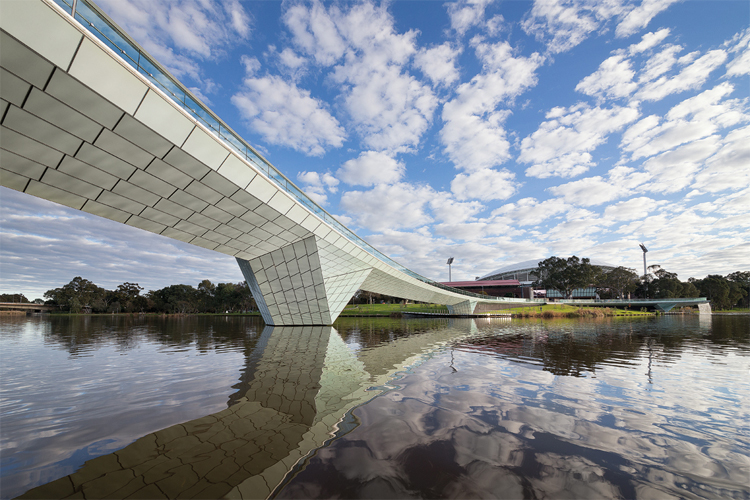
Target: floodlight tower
[(645, 276), (450, 261)]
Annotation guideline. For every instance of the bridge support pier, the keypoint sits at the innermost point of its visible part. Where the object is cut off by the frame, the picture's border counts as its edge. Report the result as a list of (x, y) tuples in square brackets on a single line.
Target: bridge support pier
[(301, 283), (465, 307)]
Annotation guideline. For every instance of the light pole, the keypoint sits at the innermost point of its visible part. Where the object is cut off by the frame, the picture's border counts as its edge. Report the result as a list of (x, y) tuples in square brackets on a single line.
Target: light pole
[(645, 276), (450, 261)]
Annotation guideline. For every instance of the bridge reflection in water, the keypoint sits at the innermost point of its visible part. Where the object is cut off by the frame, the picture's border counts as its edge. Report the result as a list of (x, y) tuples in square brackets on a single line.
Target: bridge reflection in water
[(300, 383)]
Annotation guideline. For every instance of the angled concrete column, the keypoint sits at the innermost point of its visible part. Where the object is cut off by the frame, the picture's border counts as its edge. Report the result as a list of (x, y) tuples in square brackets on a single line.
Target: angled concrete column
[(704, 308), (303, 283), (465, 307)]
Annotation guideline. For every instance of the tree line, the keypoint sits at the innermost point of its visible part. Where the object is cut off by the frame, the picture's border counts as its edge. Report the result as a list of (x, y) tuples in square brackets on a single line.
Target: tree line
[(566, 275), (82, 295)]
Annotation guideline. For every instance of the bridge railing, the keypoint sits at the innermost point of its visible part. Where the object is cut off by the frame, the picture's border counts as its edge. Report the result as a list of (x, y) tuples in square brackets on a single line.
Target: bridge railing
[(106, 30)]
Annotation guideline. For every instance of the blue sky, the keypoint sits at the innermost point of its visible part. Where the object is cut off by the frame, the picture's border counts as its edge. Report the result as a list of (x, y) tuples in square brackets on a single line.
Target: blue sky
[(493, 132)]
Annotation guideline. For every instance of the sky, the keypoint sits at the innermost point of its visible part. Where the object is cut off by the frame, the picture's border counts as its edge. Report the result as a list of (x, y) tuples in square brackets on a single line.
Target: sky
[(493, 132)]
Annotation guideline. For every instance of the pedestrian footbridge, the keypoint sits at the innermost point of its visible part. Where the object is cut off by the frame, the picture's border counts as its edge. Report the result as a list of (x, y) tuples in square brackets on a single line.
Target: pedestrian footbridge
[(91, 121)]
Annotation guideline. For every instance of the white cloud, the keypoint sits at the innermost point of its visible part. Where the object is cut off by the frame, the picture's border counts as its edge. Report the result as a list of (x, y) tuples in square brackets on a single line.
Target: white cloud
[(315, 32), (451, 211), (563, 24), (466, 13), (740, 45), (317, 186), (439, 63), (285, 114), (393, 206), (485, 184), (692, 76), (632, 209), (674, 170), (639, 17), (473, 133), (178, 32), (649, 40), (590, 191), (729, 168), (530, 211), (695, 118), (389, 108), (370, 168), (614, 78), (563, 144)]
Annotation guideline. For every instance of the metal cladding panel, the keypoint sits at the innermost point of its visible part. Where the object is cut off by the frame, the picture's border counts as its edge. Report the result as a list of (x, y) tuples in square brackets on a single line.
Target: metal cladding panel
[(203, 192), (76, 95), (86, 172), (206, 148), (261, 189), (38, 25), (159, 216), (281, 202), (22, 166), (120, 202), (142, 136), (13, 180), (136, 193), (159, 114), (237, 171), (123, 149), (168, 173), (96, 208), (54, 194), (105, 161), (108, 76), (23, 62), (219, 215), (14, 90), (70, 184), (35, 128), (186, 163), (152, 184), (61, 115), (188, 200)]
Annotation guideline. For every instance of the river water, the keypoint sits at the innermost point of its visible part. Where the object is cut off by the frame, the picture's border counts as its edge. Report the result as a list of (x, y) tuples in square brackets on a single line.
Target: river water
[(208, 407)]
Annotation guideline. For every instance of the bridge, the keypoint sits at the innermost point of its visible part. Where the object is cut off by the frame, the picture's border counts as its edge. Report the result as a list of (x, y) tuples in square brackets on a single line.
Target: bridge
[(661, 305), (25, 306), (91, 121)]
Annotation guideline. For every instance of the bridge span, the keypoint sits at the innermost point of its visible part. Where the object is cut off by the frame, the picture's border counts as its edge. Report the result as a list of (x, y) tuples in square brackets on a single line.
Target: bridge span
[(91, 121)]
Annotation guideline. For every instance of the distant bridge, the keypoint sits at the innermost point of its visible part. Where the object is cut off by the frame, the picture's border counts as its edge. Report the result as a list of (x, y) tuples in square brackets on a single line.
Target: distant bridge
[(91, 121), (25, 306), (662, 305)]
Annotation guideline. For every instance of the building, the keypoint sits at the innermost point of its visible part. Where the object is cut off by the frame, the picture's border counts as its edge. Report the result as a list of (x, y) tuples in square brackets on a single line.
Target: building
[(525, 274)]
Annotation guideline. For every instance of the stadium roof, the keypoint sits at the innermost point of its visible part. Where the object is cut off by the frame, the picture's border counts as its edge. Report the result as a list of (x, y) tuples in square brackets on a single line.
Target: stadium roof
[(532, 264)]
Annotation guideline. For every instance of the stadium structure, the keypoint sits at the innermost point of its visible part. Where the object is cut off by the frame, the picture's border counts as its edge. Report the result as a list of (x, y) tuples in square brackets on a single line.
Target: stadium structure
[(519, 278)]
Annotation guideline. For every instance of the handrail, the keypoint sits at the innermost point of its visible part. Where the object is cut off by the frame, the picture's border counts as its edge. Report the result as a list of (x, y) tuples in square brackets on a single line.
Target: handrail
[(100, 25)]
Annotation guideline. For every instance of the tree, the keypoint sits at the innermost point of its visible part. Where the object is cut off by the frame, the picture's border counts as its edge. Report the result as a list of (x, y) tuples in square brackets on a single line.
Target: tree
[(127, 298), (13, 297), (566, 275), (742, 278), (78, 295), (665, 285), (622, 280), (716, 288), (181, 299)]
